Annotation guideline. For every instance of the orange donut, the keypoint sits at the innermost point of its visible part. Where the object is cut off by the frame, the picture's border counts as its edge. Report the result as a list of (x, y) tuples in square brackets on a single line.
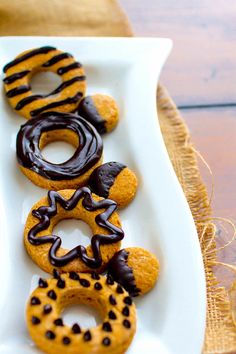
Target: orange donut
[(65, 98)]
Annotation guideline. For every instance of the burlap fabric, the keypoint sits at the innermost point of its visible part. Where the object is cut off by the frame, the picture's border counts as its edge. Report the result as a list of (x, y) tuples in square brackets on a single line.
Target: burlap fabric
[(105, 18)]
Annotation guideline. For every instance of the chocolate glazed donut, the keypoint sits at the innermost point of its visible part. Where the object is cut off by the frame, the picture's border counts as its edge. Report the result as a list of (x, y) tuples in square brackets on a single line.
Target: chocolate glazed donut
[(88, 152)]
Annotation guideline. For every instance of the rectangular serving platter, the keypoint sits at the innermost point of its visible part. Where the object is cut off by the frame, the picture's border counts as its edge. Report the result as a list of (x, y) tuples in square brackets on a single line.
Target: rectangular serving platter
[(171, 318)]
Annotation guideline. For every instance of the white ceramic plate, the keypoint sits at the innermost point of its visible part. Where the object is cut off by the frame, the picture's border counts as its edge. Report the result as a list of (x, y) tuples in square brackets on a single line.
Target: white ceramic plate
[(171, 318)]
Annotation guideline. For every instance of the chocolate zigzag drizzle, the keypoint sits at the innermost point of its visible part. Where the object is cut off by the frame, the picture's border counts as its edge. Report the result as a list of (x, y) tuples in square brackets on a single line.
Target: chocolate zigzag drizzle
[(44, 214), (86, 155), (120, 271)]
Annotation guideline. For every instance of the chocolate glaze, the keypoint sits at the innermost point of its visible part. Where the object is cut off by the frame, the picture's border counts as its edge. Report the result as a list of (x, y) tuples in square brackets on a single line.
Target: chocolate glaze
[(122, 273), (12, 78), (103, 177), (52, 105), (88, 111), (56, 59), (44, 214), (30, 54), (87, 154), (65, 69), (18, 90)]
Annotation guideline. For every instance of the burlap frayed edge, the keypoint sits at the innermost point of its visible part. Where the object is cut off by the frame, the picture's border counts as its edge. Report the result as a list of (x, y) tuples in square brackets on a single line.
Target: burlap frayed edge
[(220, 335)]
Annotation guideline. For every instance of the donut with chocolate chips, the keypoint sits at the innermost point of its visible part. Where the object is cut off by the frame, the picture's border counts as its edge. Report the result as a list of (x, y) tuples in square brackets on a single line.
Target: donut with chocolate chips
[(65, 98), (115, 181), (135, 268), (53, 336), (101, 111), (44, 247)]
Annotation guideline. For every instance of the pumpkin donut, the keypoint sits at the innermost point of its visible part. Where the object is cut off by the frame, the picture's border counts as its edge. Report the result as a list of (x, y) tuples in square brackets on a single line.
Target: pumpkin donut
[(65, 98), (44, 247), (46, 327), (57, 126)]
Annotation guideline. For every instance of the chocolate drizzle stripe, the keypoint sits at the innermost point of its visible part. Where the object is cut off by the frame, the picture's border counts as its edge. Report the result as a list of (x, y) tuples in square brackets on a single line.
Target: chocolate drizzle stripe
[(118, 268), (52, 105), (86, 155), (27, 100), (103, 177), (32, 53), (12, 78), (88, 111), (66, 84), (18, 91), (56, 59), (44, 213), (65, 69)]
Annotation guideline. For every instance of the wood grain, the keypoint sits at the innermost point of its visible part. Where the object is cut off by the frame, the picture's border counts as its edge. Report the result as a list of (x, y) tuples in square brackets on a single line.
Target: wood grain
[(201, 68), (201, 71)]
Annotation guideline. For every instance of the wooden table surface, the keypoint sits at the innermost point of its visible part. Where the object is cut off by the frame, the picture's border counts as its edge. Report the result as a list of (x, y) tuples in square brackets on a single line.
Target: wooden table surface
[(201, 77)]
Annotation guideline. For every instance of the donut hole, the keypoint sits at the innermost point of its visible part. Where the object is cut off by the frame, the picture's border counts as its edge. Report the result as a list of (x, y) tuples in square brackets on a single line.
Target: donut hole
[(58, 146), (44, 82), (73, 232), (85, 315)]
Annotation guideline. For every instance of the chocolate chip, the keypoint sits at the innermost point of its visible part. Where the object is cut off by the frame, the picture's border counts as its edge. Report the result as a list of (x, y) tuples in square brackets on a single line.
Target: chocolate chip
[(61, 283), (74, 276), (97, 286), (126, 324), (52, 294), (47, 309), (125, 311), (128, 300), (106, 341), (35, 320), (66, 340), (119, 289), (107, 327), (85, 283), (112, 315), (43, 283), (58, 322), (76, 328), (95, 276), (87, 336), (35, 301), (109, 280), (112, 300), (50, 335), (56, 274)]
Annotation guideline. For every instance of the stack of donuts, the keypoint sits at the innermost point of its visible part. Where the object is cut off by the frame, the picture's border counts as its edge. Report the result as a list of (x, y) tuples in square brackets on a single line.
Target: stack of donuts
[(101, 275)]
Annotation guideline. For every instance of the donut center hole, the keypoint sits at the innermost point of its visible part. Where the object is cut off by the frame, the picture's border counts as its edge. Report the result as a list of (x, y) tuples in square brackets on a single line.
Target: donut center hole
[(59, 145), (44, 82), (58, 152), (73, 233), (86, 316)]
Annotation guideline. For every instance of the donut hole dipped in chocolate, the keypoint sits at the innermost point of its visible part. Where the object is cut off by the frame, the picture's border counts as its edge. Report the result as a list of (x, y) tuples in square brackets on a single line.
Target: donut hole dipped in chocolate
[(45, 248), (115, 181), (101, 111), (47, 302), (136, 269), (56, 126), (64, 98)]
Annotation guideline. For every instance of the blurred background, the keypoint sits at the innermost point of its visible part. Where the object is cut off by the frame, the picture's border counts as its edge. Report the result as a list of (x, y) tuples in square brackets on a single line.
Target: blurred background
[(200, 76)]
